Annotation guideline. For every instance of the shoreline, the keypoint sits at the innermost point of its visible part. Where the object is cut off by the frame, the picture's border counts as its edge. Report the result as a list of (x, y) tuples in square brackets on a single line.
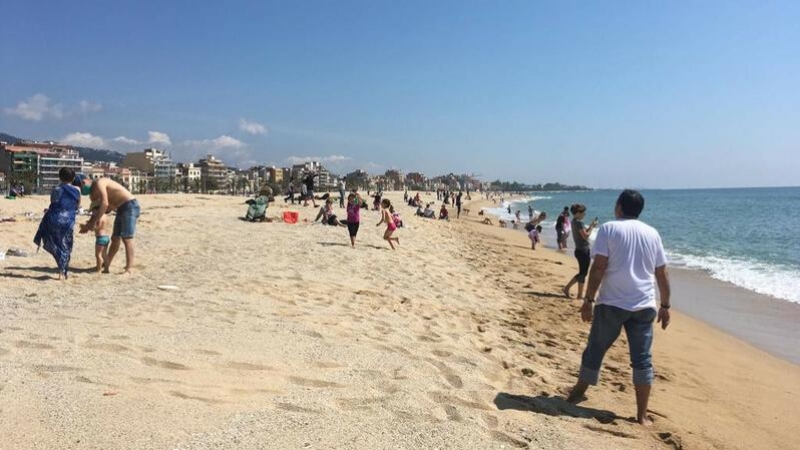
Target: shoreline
[(704, 375), (765, 322)]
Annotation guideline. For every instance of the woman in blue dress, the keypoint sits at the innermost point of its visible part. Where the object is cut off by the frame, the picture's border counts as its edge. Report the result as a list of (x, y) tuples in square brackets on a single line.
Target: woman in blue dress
[(56, 229)]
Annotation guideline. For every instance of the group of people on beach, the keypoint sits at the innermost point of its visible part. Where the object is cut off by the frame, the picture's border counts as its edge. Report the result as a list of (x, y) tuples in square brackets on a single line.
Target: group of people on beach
[(56, 230), (355, 203)]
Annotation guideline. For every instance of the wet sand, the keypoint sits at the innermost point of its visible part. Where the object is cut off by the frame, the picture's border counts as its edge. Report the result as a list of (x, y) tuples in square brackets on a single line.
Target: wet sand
[(768, 323)]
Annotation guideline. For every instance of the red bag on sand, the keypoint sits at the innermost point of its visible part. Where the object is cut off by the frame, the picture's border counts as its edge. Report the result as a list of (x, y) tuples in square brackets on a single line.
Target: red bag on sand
[(290, 216)]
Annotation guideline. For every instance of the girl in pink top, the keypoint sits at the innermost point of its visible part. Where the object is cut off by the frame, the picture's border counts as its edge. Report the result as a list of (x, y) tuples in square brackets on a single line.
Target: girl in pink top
[(386, 217), (353, 216)]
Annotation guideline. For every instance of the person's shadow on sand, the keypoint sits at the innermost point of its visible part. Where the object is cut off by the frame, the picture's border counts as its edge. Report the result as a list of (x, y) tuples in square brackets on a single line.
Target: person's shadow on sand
[(552, 406), (26, 277), (53, 270), (340, 244)]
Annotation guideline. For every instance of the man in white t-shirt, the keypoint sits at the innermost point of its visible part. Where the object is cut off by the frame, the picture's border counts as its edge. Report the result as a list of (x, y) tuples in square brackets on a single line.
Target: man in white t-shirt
[(629, 259)]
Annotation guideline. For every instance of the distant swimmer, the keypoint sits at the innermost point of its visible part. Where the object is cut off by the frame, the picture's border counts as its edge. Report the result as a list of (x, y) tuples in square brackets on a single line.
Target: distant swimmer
[(629, 260)]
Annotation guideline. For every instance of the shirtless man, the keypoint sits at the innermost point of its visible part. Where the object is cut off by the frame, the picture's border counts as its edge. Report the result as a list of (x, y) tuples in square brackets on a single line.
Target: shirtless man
[(112, 196)]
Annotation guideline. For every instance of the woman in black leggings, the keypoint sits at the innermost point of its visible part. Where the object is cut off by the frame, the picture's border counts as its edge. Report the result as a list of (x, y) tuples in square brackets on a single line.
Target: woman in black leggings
[(580, 233)]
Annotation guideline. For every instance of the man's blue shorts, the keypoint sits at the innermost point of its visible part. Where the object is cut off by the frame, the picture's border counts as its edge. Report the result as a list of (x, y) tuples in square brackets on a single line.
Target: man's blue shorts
[(125, 222)]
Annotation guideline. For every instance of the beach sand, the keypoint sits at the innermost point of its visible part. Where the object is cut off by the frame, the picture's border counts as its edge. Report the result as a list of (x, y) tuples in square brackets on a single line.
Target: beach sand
[(281, 336)]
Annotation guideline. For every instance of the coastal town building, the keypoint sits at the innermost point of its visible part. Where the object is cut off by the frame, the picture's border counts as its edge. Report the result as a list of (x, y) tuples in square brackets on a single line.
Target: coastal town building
[(189, 172), (416, 181), (37, 164), (213, 173), (322, 183), (393, 180), (357, 179), (275, 175), (154, 162)]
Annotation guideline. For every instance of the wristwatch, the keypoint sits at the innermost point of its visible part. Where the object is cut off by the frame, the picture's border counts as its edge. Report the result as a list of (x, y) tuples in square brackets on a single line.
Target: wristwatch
[(587, 299), (664, 306)]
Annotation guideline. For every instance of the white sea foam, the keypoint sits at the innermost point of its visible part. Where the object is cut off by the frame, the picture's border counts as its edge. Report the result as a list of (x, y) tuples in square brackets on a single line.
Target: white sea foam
[(769, 279), (763, 278)]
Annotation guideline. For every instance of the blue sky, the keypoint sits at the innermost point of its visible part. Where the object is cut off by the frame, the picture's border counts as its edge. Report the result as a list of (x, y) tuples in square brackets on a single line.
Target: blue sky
[(607, 94)]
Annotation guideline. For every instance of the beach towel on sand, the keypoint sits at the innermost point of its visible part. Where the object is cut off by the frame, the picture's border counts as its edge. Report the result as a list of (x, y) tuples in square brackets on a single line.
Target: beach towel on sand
[(56, 227)]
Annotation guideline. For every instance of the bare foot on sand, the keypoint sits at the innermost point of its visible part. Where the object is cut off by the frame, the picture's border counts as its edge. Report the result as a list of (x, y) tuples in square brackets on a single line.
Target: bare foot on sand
[(575, 394), (645, 421), (565, 291)]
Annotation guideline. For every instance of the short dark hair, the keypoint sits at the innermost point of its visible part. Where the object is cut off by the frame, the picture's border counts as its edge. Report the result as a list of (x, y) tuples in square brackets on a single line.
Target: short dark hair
[(631, 202), (66, 175)]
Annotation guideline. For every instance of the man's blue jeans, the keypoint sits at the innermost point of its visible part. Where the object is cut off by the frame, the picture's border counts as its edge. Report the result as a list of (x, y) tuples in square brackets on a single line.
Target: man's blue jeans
[(606, 326)]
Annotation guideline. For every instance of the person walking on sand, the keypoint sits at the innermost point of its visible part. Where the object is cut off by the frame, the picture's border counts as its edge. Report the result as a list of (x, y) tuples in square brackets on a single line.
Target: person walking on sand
[(582, 247), (55, 231), (386, 217), (629, 260), (112, 196), (342, 192), (458, 205)]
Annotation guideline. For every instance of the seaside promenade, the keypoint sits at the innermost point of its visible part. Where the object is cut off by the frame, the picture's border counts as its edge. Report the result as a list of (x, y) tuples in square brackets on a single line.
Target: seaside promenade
[(281, 336)]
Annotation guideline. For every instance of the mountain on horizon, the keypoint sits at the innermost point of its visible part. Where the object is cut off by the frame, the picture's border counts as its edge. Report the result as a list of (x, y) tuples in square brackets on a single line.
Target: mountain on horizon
[(88, 154)]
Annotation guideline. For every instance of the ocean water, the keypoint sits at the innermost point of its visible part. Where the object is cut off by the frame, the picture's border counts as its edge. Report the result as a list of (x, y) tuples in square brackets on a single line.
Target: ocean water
[(749, 237)]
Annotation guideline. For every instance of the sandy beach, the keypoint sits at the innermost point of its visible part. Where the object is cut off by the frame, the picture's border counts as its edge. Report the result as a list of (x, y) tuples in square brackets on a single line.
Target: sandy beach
[(281, 336)]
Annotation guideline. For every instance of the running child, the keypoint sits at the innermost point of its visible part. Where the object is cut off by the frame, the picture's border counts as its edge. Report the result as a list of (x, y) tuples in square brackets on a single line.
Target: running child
[(386, 217)]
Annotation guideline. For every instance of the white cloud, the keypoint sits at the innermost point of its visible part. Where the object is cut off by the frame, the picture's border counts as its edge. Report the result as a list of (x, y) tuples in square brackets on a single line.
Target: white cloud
[(218, 143), (37, 108), (331, 159), (157, 137), (83, 140), (126, 141), (251, 127), (87, 107)]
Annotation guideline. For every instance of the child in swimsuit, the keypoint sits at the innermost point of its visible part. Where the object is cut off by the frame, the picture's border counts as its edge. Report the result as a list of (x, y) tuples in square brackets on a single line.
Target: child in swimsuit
[(386, 217), (101, 239), (534, 236)]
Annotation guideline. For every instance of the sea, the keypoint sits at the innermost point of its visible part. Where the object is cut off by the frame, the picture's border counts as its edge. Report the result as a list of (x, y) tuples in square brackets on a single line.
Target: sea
[(749, 237)]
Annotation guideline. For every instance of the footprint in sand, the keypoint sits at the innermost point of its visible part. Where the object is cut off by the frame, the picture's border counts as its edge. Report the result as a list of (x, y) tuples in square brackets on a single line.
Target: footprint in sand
[(115, 348), (609, 431), (33, 345), (163, 364), (294, 408), (441, 353), (452, 413), (499, 436), (183, 396), (206, 352), (308, 382), (448, 374), (246, 366)]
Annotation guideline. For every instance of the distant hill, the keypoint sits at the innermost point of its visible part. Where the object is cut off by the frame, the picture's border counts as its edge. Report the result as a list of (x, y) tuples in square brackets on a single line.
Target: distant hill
[(88, 154)]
